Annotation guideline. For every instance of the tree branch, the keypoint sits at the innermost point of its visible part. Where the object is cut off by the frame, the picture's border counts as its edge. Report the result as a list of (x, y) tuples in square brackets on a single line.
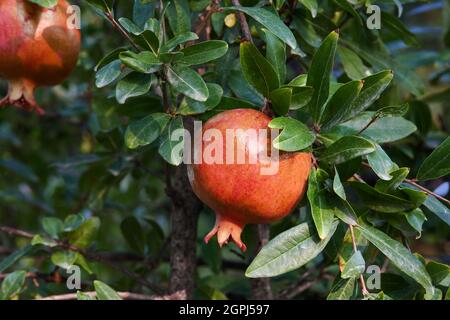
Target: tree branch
[(123, 295), (243, 22), (261, 287)]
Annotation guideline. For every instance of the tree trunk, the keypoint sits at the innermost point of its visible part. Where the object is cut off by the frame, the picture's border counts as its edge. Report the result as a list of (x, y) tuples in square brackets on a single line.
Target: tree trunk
[(261, 288), (183, 239)]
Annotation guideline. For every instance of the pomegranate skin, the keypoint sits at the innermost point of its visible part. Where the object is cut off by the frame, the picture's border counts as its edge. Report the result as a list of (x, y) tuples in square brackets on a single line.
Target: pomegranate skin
[(37, 48), (238, 193)]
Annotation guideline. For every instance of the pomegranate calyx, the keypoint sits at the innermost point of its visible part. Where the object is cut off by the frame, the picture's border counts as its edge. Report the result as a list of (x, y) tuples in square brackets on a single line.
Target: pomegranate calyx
[(21, 95), (226, 230)]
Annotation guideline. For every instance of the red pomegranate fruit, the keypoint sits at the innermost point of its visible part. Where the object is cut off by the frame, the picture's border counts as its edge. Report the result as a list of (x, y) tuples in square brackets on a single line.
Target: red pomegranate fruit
[(238, 192), (38, 47)]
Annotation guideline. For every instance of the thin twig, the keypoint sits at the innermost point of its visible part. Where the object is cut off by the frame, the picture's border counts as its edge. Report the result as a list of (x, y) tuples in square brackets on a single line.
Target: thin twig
[(243, 21), (427, 191), (109, 15), (123, 295)]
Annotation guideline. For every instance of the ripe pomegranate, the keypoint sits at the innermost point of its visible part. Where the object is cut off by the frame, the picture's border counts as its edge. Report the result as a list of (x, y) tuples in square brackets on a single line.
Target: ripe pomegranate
[(37, 48), (238, 193)]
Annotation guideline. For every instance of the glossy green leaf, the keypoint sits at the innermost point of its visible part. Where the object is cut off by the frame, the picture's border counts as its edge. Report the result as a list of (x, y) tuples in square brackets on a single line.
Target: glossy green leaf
[(319, 74), (276, 54), (347, 148), (321, 209), (294, 136), (343, 290), (281, 100), (14, 257), (188, 82), (172, 142), (437, 164), (177, 40), (354, 267), (144, 62), (53, 226), (301, 96), (353, 66), (12, 284), (401, 257), (337, 109), (257, 70), (108, 74), (85, 234), (311, 5), (203, 52), (45, 3), (338, 188), (396, 26), (144, 131), (397, 178), (416, 218), (191, 107), (438, 208), (288, 251), (380, 163), (133, 85)]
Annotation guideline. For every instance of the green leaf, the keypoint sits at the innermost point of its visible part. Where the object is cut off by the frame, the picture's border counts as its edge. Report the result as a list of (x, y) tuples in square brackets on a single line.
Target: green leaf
[(294, 136), (397, 178), (384, 202), (342, 290), (383, 130), (347, 6), (439, 272), (353, 66), (85, 234), (321, 209), (179, 16), (301, 96), (108, 74), (14, 257), (288, 251), (347, 148), (436, 207), (133, 85), (191, 107), (177, 40), (319, 74), (73, 222), (144, 131), (337, 109), (396, 26), (273, 23), (311, 5), (374, 85), (144, 62), (188, 82), (281, 100), (203, 52), (354, 267), (437, 164), (45, 3), (105, 292), (396, 111), (171, 147), (401, 257), (380, 163), (276, 54), (84, 296), (38, 239), (64, 259), (338, 188), (133, 233), (12, 284), (343, 210), (416, 218), (53, 226), (258, 72)]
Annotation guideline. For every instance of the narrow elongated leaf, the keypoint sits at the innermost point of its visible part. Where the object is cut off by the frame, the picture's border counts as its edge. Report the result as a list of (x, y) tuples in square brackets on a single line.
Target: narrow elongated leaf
[(401, 257), (396, 26), (281, 100), (190, 106), (354, 267), (204, 52), (145, 62), (288, 251), (108, 74), (347, 148), (321, 209), (12, 284), (300, 96), (338, 188), (276, 54), (14, 257), (343, 290), (294, 136), (397, 178), (374, 85), (438, 208), (257, 70), (188, 82), (319, 74), (337, 109), (177, 40), (273, 23), (437, 164), (354, 67), (380, 163)]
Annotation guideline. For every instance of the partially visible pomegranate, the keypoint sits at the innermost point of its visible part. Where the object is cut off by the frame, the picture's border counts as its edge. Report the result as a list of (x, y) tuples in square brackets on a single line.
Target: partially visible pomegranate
[(37, 48), (238, 193)]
